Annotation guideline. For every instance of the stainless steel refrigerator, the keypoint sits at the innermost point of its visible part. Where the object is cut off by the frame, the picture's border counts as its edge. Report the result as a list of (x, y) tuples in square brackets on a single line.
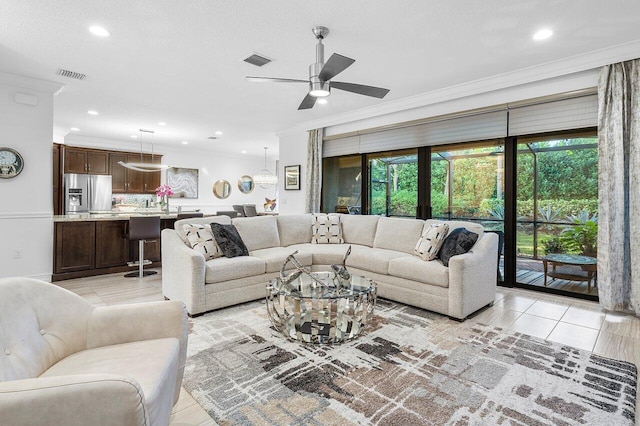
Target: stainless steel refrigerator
[(86, 193)]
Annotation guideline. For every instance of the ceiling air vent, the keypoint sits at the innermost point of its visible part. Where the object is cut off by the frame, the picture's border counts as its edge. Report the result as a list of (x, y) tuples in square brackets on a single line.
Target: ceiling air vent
[(212, 137), (257, 60), (71, 74)]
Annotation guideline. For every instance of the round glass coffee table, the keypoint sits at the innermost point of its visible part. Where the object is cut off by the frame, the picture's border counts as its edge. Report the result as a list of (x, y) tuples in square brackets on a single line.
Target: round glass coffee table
[(317, 309)]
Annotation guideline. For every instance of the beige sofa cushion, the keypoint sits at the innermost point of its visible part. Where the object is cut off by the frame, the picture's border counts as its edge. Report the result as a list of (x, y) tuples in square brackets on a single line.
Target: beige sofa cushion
[(294, 229), (373, 259), (357, 229), (156, 375), (225, 269), (324, 254), (274, 257), (398, 234), (178, 226), (431, 240), (326, 229), (258, 232), (416, 269)]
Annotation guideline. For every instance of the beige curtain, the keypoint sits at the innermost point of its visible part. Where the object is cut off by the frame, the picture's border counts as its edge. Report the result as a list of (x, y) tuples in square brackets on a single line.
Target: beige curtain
[(619, 186), (313, 177)]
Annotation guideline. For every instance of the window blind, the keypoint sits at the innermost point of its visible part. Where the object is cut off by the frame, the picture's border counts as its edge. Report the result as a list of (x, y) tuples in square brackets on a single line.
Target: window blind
[(553, 115), (564, 114)]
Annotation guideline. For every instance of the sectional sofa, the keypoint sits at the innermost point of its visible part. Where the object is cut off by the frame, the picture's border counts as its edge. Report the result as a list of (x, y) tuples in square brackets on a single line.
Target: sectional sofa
[(382, 249)]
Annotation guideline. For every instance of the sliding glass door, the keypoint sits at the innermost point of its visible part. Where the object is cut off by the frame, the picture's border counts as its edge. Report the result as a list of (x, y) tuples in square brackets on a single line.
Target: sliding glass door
[(393, 183), (341, 184), (557, 212)]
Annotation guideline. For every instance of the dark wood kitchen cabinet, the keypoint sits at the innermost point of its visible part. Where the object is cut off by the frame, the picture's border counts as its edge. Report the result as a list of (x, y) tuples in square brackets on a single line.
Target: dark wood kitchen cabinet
[(87, 248), (127, 181), (112, 243), (86, 161), (74, 246)]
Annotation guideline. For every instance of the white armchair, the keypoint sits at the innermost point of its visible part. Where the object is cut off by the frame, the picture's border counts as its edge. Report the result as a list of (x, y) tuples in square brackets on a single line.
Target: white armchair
[(64, 361)]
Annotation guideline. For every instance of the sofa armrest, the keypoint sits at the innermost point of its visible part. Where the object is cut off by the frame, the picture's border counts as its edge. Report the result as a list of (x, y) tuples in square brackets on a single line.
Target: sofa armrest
[(473, 277), (183, 273), (96, 399), (111, 325)]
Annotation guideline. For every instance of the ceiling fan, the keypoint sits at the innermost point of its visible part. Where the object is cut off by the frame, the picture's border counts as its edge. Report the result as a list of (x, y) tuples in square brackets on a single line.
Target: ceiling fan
[(321, 73)]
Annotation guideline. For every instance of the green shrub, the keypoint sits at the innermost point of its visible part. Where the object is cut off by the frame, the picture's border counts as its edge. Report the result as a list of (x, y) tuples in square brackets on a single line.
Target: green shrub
[(553, 245)]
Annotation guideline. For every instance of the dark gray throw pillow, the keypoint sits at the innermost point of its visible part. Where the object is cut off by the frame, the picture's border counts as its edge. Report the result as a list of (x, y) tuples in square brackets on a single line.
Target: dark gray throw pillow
[(229, 240), (459, 241)]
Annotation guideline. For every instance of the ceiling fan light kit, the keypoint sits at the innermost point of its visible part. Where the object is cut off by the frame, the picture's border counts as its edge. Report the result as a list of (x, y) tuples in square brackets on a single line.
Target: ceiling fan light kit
[(321, 73)]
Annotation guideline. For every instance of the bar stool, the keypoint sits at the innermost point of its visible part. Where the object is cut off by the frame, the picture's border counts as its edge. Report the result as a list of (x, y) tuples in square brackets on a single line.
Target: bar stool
[(250, 210), (143, 228), (188, 215), (239, 209)]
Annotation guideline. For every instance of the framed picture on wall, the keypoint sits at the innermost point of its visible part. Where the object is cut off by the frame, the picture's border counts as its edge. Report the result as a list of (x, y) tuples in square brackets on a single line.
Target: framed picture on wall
[(183, 182), (292, 177)]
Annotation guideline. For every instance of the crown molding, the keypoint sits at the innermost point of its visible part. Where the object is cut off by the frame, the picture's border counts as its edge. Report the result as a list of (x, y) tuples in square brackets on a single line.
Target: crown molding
[(573, 64), (30, 83)]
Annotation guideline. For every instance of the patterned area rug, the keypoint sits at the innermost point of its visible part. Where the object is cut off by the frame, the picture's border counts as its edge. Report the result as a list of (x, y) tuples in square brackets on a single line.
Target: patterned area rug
[(413, 367)]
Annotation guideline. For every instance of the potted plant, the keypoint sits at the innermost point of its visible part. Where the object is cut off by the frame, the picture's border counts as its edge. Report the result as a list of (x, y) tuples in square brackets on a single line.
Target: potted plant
[(582, 238), (553, 245)]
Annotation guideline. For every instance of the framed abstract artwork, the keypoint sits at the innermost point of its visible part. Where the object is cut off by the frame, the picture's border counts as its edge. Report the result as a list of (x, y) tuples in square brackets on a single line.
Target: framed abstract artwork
[(183, 182)]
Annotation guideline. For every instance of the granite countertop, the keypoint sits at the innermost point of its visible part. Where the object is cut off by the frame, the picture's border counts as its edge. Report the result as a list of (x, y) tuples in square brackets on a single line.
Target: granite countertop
[(93, 217)]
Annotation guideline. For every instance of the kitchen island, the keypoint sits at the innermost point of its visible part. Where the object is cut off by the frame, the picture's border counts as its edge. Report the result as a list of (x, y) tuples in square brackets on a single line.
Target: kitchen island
[(94, 244)]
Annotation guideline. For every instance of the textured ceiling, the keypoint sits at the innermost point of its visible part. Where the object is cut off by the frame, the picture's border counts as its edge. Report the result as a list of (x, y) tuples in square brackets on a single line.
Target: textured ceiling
[(181, 61)]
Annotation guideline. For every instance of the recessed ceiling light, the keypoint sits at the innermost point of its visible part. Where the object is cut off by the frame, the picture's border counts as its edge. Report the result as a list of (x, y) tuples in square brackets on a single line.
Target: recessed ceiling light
[(134, 136), (244, 151), (75, 129), (218, 132), (92, 112), (162, 123), (322, 101), (185, 143), (99, 31), (543, 34)]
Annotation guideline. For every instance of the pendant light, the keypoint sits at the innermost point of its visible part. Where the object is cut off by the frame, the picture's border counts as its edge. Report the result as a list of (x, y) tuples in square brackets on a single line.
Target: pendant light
[(142, 166), (265, 179)]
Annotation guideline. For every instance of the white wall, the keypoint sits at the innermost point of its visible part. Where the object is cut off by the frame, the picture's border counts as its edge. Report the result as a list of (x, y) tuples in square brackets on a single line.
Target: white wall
[(293, 151), (213, 167), (26, 201)]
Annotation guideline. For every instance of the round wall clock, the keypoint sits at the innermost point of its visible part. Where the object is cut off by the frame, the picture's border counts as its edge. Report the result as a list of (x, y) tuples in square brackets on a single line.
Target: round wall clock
[(11, 163)]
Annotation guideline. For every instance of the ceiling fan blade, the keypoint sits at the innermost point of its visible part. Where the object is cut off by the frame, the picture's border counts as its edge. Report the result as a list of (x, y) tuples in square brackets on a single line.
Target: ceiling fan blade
[(308, 102), (361, 89), (334, 66), (274, 80)]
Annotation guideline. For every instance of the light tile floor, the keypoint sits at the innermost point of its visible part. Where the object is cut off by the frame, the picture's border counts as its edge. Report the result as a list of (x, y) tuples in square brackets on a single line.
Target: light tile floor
[(574, 322)]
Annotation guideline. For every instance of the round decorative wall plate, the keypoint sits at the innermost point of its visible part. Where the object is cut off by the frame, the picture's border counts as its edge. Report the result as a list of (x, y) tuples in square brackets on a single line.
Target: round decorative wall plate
[(11, 163)]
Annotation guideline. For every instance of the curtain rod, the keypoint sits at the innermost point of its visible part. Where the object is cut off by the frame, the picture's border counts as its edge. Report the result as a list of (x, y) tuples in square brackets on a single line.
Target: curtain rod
[(470, 113)]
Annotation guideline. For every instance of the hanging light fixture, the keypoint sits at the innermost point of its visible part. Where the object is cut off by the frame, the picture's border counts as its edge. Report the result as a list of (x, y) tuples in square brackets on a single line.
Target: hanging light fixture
[(142, 166), (265, 179)]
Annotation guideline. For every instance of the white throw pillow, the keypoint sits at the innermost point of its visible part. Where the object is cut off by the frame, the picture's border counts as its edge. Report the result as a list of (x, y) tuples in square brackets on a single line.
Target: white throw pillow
[(431, 240), (201, 239), (326, 229)]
